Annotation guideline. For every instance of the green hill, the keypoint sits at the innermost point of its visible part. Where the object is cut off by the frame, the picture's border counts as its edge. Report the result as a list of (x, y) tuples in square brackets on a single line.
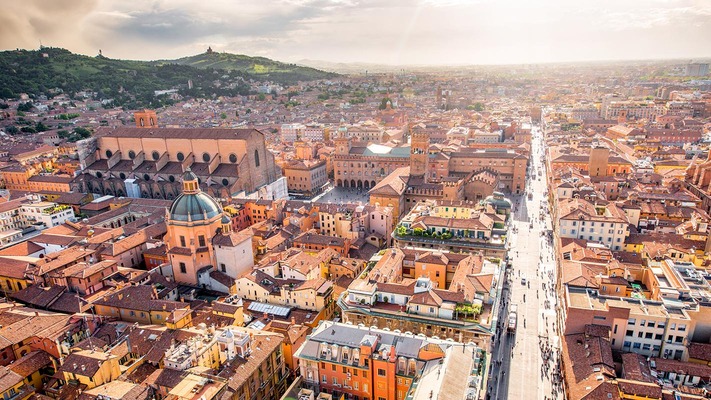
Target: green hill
[(132, 83), (257, 67)]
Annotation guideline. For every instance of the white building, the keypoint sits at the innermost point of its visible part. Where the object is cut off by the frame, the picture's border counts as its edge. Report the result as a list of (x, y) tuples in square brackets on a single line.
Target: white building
[(292, 132), (45, 214), (581, 219)]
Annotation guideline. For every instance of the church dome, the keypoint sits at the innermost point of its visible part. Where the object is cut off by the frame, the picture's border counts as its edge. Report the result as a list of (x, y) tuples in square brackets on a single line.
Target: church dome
[(193, 204), (194, 207), (498, 200)]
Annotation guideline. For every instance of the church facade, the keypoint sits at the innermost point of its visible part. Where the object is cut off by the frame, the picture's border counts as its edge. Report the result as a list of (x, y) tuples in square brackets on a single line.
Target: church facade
[(148, 161)]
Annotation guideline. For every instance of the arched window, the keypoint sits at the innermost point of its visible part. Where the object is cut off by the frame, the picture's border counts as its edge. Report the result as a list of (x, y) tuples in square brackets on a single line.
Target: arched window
[(256, 158), (141, 122)]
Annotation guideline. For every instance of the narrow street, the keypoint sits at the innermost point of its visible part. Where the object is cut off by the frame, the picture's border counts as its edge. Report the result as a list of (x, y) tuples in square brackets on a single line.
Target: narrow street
[(525, 362)]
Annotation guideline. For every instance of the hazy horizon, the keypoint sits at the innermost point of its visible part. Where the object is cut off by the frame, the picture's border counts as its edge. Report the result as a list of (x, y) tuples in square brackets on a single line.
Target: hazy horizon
[(390, 33)]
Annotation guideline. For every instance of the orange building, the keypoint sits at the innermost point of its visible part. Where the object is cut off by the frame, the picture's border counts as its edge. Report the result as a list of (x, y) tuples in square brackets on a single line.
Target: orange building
[(371, 364), (193, 219), (312, 242)]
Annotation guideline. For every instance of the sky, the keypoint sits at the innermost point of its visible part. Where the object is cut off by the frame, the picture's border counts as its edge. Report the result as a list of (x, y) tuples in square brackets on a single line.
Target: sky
[(396, 32)]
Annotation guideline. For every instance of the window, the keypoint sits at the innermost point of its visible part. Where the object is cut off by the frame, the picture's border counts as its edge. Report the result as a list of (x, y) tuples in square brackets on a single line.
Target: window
[(323, 378), (679, 339), (183, 269), (335, 380), (650, 324), (223, 267), (256, 158), (681, 327), (233, 158), (131, 154), (381, 372), (156, 155), (180, 156), (182, 241), (201, 240), (648, 335), (636, 345), (206, 157), (631, 321), (629, 333), (658, 336), (646, 347)]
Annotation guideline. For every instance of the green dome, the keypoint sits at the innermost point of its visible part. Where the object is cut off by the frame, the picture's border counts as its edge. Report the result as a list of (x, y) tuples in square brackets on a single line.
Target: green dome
[(498, 200), (194, 207)]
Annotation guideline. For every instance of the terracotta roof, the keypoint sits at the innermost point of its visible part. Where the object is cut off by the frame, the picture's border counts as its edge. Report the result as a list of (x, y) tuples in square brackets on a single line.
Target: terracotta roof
[(683, 368), (8, 379), (31, 362), (21, 249), (178, 133), (700, 351)]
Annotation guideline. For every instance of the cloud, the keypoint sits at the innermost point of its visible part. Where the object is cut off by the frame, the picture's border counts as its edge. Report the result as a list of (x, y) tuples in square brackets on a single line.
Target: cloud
[(382, 31), (25, 24)]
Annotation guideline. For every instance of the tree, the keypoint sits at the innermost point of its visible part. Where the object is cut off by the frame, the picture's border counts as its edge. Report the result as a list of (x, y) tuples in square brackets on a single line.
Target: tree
[(6, 93), (11, 129), (261, 97), (223, 116), (384, 103), (478, 107), (40, 127), (24, 107), (4, 106), (82, 132)]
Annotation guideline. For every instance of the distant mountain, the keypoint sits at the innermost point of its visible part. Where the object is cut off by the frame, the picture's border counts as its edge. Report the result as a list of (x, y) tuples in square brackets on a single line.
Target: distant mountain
[(257, 67), (350, 68), (133, 83)]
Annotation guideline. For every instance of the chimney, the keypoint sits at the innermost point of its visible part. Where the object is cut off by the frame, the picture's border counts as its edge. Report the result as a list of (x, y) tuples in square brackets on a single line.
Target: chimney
[(293, 321)]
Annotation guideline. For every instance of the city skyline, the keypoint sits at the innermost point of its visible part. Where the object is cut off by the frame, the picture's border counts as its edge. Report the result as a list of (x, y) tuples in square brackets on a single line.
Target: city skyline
[(428, 32)]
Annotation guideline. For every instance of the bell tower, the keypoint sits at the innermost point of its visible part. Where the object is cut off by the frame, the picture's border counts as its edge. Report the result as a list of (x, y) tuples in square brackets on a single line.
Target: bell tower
[(419, 153), (146, 119)]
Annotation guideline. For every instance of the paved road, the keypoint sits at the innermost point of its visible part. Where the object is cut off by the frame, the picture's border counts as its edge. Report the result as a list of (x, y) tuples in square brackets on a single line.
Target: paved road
[(519, 368)]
